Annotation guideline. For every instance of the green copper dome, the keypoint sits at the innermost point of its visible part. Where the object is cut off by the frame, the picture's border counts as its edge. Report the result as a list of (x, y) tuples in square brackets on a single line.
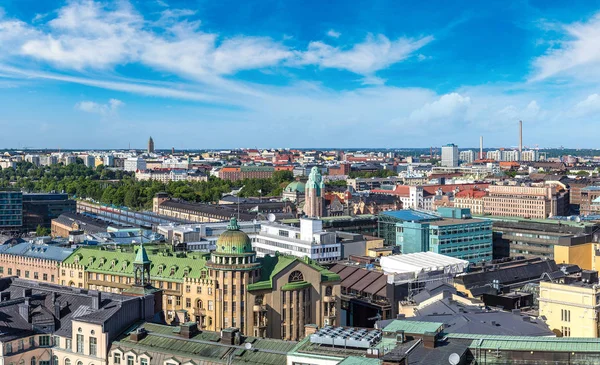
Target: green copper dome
[(233, 241), (295, 186)]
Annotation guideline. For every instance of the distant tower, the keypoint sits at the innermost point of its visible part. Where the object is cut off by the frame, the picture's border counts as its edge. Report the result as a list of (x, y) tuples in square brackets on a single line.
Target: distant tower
[(172, 150), (150, 145), (313, 194), (520, 138), (481, 147)]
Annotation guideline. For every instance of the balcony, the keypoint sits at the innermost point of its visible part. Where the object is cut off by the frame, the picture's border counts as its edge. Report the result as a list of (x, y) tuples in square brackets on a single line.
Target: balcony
[(259, 308), (329, 299), (199, 312)]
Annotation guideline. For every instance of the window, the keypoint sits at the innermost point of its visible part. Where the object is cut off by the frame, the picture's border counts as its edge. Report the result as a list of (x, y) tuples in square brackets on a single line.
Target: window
[(117, 358), (33, 362), (188, 302), (225, 291), (328, 291), (20, 345), (26, 273), (178, 301), (188, 288), (45, 277), (31, 341), (566, 331), (143, 361), (210, 305), (295, 277), (80, 344), (199, 290), (9, 271), (44, 340), (129, 360), (68, 345), (8, 348), (54, 360), (93, 346), (67, 361), (565, 315)]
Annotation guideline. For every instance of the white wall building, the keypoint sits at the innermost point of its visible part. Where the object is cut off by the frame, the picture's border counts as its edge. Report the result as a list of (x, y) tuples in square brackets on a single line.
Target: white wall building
[(450, 155), (467, 156), (308, 240), (134, 163)]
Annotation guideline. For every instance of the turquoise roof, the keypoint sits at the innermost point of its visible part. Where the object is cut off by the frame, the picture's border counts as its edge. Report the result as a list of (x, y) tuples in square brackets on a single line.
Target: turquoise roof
[(414, 327), (297, 186), (141, 257), (233, 240)]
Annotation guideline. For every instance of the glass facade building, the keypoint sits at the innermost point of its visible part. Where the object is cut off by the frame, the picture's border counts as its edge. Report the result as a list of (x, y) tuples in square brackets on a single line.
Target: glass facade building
[(11, 210)]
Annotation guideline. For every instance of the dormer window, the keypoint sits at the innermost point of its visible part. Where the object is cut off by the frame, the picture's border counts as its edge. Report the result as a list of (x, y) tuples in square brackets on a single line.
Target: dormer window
[(124, 267), (160, 269), (113, 263), (173, 269)]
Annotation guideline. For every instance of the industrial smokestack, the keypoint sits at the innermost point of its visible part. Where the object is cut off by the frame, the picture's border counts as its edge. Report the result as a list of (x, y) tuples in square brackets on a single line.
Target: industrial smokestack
[(481, 147), (520, 138)]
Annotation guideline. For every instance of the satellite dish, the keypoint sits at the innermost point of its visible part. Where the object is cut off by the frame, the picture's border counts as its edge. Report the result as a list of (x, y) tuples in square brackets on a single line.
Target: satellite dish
[(248, 346), (578, 219), (454, 359), (271, 217)]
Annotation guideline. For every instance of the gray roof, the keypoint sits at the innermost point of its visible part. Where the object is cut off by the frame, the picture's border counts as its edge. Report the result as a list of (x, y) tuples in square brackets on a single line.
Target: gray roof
[(460, 318), (86, 224), (41, 251)]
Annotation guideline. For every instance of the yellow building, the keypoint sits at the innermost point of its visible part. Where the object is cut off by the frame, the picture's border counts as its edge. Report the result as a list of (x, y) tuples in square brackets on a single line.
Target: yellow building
[(571, 310), (582, 255)]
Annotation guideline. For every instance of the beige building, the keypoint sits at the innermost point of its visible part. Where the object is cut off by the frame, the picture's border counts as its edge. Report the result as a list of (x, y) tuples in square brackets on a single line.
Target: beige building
[(470, 199), (525, 201), (571, 310), (274, 296), (27, 260)]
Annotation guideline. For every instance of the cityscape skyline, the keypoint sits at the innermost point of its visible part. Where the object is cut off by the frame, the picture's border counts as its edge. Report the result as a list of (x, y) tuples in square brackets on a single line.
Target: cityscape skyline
[(105, 70)]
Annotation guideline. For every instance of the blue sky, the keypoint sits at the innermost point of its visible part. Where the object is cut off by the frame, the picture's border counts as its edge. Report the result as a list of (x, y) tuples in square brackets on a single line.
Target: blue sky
[(222, 74)]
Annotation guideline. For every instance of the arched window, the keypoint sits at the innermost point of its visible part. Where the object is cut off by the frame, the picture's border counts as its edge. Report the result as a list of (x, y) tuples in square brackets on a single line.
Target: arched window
[(21, 362), (54, 360), (199, 303), (67, 361), (33, 362), (79, 363), (295, 277), (328, 291)]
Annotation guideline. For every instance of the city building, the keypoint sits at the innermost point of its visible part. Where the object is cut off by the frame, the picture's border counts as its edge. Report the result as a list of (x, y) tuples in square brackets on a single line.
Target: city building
[(167, 175), (308, 240), (133, 164), (590, 202), (89, 161), (467, 156), (34, 159), (274, 296), (51, 324), (526, 201), (69, 224), (455, 234), (32, 261), (109, 160), (151, 343), (313, 196), (246, 172), (471, 199), (150, 145), (294, 191), (450, 155), (571, 308), (520, 237), (39, 209), (11, 211)]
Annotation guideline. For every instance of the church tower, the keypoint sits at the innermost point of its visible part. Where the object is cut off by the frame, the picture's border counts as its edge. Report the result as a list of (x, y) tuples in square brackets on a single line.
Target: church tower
[(150, 145), (313, 194)]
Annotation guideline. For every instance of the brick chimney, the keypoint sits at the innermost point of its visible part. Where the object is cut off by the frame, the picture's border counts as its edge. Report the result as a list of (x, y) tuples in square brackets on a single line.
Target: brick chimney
[(310, 329), (188, 330)]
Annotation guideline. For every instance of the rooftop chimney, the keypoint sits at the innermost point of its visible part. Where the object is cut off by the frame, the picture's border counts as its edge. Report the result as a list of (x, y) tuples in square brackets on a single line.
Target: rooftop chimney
[(188, 330), (138, 334), (96, 300)]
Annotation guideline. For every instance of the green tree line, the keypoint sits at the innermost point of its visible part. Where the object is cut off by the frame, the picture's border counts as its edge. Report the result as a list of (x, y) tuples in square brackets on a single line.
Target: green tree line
[(120, 188)]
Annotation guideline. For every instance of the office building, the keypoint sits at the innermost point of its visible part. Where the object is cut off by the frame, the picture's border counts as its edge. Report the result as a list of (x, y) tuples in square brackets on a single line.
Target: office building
[(246, 172), (454, 234), (89, 161), (450, 155), (11, 211), (526, 201), (39, 209), (530, 155), (34, 159), (134, 164), (109, 160)]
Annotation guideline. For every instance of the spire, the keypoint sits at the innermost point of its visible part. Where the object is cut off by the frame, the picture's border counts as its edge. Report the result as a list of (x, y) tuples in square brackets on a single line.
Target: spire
[(141, 257)]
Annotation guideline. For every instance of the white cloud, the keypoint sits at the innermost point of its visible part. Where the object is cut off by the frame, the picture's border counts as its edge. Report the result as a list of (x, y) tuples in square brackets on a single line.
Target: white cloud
[(107, 109), (374, 54), (577, 55), (333, 34), (449, 107), (589, 105)]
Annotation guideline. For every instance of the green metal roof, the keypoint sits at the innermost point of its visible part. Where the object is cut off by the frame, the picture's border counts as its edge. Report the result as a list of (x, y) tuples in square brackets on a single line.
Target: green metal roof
[(257, 168), (415, 327), (166, 266), (333, 219), (297, 186), (205, 346), (357, 360), (528, 343), (273, 265), (233, 240)]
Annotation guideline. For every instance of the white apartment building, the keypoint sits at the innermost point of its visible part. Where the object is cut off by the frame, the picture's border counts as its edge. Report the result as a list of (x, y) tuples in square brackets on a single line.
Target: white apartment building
[(133, 164), (531, 155), (109, 160), (307, 241), (34, 159), (467, 156), (450, 155), (510, 155)]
